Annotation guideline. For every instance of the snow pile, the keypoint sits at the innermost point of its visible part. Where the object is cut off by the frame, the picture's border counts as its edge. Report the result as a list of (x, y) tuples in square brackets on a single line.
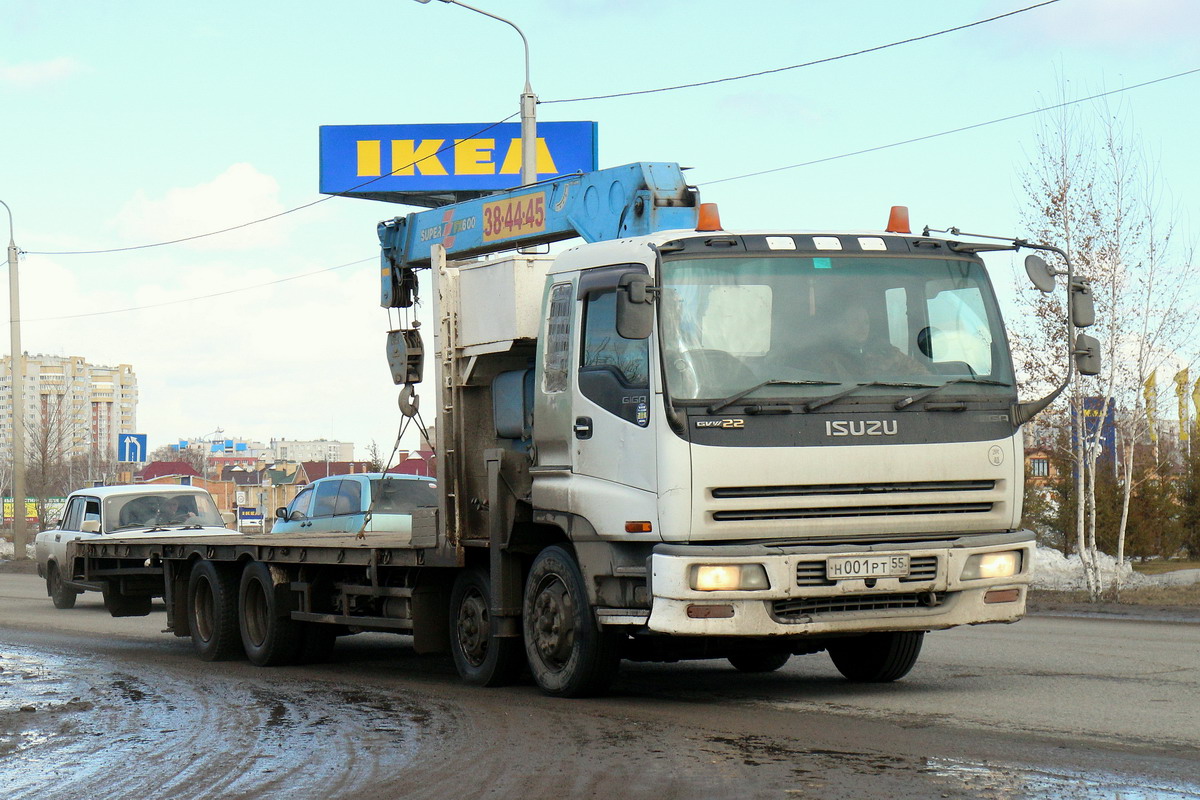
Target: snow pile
[(1053, 570), (6, 550)]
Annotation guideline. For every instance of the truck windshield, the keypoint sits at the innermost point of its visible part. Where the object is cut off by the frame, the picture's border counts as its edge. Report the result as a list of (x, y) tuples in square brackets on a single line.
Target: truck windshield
[(804, 327)]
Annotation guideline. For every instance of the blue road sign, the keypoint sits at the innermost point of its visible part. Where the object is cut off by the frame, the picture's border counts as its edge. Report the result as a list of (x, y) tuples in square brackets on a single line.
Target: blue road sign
[(132, 447), (404, 163)]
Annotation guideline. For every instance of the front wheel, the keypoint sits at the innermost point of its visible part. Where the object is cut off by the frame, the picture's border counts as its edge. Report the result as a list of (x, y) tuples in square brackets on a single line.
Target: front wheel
[(61, 595), (481, 658), (877, 657), (568, 652)]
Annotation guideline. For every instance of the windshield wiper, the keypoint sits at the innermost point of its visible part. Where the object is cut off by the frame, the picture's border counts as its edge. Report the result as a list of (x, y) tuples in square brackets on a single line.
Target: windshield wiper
[(919, 396), (833, 398), (728, 401)]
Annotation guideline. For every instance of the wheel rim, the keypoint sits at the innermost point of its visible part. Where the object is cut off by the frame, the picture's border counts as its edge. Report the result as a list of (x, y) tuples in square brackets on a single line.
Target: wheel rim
[(202, 610), (554, 622), (473, 627), (254, 608)]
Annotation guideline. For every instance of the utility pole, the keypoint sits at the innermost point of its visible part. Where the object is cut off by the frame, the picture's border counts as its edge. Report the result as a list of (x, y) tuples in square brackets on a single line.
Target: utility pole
[(528, 102), (17, 371)]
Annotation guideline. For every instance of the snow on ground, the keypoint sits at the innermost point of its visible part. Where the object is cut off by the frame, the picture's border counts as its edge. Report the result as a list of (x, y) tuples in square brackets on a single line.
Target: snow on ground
[(6, 550), (1053, 570)]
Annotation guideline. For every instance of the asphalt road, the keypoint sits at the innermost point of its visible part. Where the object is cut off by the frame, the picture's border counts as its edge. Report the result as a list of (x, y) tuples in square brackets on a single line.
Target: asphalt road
[(1052, 707)]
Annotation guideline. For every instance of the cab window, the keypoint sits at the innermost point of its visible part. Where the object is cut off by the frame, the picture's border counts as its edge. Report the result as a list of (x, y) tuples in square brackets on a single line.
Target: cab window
[(325, 499), (74, 515), (349, 498)]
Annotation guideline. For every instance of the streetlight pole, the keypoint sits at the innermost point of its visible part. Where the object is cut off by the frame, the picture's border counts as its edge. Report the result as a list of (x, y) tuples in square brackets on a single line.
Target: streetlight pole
[(528, 102), (17, 371)]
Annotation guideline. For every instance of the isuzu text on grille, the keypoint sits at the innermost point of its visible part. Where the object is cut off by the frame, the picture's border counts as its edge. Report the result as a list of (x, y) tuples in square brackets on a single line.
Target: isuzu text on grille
[(866, 427)]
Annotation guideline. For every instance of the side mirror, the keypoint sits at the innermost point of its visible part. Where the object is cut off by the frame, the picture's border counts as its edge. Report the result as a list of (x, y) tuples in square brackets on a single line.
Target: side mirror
[(1083, 309), (281, 512), (1039, 273), (1087, 354), (90, 526), (635, 308)]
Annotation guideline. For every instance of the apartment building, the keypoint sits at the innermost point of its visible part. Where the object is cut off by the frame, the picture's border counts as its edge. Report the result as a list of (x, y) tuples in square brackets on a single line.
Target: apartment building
[(84, 406)]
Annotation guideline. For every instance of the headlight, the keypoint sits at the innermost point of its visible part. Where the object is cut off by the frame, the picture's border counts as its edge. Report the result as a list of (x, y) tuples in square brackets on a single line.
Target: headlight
[(992, 565), (729, 577)]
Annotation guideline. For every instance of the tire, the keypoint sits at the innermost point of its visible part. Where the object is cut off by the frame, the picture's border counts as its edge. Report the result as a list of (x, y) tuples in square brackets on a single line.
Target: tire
[(877, 657), (480, 658), (60, 594), (270, 637), (759, 662), (568, 653), (124, 605), (212, 612)]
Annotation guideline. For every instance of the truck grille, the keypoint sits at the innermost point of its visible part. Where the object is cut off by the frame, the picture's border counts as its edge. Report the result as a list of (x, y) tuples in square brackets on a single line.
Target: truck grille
[(812, 573), (876, 500), (794, 610)]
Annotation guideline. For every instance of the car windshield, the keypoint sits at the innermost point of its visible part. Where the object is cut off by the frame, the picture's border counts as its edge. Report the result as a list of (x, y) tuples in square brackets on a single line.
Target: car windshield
[(808, 327), (399, 496), (160, 509)]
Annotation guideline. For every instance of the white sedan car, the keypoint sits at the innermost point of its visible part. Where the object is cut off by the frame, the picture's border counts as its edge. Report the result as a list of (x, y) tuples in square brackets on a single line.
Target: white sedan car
[(138, 510)]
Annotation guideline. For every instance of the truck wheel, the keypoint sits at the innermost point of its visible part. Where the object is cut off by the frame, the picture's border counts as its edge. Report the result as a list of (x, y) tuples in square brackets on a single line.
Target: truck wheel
[(270, 636), (759, 662), (212, 612), (481, 658), (124, 605), (62, 595), (568, 652), (877, 657)]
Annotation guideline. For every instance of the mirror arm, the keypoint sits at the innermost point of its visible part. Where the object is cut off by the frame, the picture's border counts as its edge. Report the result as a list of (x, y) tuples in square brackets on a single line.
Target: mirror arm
[(1023, 412)]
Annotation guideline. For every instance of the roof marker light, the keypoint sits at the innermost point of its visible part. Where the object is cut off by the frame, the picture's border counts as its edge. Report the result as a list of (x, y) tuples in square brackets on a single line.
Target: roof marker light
[(709, 219), (898, 220)]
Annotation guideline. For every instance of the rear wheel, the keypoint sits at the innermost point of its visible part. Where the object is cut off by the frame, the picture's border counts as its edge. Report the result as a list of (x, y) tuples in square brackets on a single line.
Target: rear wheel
[(270, 636), (480, 657), (759, 662), (212, 612), (877, 657), (568, 652), (62, 595)]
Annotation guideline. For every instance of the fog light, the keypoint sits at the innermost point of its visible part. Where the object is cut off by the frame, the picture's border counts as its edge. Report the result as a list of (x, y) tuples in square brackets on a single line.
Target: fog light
[(729, 577), (992, 565)]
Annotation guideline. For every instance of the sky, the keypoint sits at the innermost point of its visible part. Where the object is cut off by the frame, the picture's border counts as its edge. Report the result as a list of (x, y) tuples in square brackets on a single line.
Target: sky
[(132, 123)]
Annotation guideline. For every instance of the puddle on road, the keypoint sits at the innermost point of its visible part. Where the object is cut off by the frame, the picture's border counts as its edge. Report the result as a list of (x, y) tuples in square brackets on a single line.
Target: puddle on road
[(84, 724), (1009, 781)]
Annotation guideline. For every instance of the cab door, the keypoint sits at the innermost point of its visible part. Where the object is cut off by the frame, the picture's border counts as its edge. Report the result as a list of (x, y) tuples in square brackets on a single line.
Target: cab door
[(612, 424)]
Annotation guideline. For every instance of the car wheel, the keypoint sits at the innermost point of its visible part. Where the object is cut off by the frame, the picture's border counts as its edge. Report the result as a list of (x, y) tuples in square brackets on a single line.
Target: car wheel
[(270, 637), (877, 657), (62, 595)]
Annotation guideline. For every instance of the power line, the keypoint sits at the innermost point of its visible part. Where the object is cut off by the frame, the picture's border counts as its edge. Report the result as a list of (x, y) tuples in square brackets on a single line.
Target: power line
[(204, 296), (875, 49), (267, 218), (949, 132)]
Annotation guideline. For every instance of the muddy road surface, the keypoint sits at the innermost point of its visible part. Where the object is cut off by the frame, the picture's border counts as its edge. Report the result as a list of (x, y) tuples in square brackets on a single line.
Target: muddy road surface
[(1053, 707)]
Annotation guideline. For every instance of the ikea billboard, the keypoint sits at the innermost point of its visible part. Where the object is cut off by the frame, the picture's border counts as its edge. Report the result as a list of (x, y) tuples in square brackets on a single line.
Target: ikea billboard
[(410, 163)]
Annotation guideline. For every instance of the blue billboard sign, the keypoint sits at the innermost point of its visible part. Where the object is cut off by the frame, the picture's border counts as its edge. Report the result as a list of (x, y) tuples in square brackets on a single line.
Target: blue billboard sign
[(430, 165)]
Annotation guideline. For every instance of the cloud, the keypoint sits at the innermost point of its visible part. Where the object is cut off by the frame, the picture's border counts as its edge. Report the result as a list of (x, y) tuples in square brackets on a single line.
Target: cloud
[(38, 73), (236, 196)]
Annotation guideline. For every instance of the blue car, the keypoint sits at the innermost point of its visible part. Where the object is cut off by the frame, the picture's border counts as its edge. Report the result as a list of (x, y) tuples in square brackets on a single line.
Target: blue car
[(340, 504)]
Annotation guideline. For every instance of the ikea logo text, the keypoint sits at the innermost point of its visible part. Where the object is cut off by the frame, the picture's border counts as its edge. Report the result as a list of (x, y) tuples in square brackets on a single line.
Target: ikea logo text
[(456, 157)]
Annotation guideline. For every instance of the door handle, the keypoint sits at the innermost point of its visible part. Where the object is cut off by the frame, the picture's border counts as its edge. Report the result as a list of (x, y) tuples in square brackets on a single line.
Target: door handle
[(583, 427)]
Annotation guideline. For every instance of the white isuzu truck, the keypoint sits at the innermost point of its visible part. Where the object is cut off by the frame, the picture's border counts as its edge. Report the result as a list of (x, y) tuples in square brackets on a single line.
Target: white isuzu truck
[(671, 441)]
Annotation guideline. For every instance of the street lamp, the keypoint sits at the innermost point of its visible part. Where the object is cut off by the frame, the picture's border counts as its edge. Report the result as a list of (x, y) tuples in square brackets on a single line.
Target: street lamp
[(528, 102), (17, 367)]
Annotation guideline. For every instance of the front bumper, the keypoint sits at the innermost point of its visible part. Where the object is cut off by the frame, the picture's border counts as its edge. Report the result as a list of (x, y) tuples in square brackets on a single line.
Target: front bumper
[(801, 600)]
